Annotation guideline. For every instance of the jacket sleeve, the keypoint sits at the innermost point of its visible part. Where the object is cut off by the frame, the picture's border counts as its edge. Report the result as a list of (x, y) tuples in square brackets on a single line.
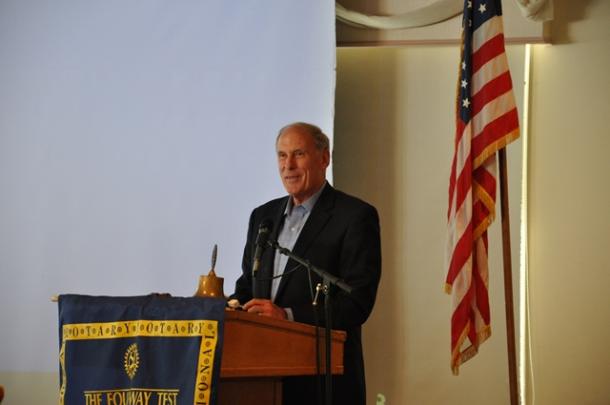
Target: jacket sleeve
[(357, 260)]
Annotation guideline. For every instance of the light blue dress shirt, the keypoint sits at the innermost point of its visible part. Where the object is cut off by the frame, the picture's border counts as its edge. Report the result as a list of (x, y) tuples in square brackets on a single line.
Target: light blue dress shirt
[(295, 218)]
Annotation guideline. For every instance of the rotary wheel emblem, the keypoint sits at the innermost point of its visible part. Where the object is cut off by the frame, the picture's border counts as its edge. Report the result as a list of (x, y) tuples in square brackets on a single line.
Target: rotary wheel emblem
[(132, 360)]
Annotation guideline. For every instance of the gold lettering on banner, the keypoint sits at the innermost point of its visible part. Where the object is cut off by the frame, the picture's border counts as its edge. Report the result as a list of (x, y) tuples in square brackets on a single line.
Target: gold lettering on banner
[(132, 396), (93, 398), (167, 398), (113, 330), (206, 364), (207, 330)]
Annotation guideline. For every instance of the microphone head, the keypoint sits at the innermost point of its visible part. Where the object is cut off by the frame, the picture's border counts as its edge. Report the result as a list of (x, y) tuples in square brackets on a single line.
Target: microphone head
[(264, 229), (265, 225)]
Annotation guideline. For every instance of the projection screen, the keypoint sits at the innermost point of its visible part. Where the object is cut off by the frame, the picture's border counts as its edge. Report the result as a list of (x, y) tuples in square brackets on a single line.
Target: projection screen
[(135, 135)]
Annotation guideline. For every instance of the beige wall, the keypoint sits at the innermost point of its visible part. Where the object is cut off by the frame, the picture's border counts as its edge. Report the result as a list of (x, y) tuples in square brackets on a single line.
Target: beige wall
[(394, 131), (30, 388), (569, 193), (393, 134)]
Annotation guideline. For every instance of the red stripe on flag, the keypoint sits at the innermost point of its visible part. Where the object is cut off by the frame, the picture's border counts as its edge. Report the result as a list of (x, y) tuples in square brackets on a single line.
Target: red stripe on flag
[(461, 253), (494, 131), (485, 187), (482, 298), (451, 188), (492, 90), (452, 178), (492, 48), (461, 318), (479, 214), (463, 184), (486, 181)]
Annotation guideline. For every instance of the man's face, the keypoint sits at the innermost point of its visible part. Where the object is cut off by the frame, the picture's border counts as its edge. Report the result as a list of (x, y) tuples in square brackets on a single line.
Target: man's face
[(302, 166)]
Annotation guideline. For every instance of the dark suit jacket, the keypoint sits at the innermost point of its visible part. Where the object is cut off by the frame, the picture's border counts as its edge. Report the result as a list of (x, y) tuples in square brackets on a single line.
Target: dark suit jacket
[(340, 236)]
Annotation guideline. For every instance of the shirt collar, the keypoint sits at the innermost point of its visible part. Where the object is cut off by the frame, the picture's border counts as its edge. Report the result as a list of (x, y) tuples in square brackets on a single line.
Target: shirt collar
[(307, 204)]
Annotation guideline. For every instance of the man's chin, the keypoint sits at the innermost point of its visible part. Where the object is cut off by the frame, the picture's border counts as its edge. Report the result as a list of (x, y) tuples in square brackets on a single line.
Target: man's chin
[(292, 189)]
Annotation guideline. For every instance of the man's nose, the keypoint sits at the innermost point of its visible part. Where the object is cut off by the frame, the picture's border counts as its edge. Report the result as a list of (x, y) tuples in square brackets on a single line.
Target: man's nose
[(290, 162)]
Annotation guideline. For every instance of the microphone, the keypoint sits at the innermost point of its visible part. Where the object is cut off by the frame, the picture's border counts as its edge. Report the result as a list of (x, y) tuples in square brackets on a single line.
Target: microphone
[(264, 229)]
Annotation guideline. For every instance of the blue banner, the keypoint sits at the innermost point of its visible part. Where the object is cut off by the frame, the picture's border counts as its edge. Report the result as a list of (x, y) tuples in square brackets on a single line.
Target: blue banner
[(148, 350)]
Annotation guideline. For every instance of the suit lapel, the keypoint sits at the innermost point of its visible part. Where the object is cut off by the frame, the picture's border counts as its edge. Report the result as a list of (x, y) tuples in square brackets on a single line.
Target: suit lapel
[(269, 258), (316, 222)]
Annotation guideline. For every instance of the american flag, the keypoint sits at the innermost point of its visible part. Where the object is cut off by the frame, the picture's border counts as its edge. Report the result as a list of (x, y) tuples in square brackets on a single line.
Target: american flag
[(486, 121)]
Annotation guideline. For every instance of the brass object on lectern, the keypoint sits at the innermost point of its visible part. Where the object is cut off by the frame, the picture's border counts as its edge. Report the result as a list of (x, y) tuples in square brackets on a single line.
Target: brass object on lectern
[(210, 285)]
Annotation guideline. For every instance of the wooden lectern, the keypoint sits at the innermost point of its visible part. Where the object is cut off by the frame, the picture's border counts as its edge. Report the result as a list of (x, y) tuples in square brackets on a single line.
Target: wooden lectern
[(258, 351)]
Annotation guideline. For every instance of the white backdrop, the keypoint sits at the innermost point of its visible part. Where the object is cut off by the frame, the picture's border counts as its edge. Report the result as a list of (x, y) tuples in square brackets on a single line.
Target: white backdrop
[(136, 134)]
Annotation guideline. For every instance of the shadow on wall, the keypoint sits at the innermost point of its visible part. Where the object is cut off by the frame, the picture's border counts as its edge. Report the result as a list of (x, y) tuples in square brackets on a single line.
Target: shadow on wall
[(365, 161), (566, 13)]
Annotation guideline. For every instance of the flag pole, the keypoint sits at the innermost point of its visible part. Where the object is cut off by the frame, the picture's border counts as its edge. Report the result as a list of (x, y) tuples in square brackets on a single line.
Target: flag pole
[(508, 280)]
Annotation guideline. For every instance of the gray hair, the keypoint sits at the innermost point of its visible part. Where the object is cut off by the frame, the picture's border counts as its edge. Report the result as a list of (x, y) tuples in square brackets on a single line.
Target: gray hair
[(320, 139)]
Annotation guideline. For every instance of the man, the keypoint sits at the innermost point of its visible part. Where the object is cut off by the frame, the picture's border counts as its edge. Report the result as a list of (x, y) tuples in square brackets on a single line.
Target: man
[(334, 232)]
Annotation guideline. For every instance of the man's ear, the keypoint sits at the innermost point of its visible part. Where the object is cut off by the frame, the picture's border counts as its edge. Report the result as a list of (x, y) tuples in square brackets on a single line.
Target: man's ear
[(326, 157)]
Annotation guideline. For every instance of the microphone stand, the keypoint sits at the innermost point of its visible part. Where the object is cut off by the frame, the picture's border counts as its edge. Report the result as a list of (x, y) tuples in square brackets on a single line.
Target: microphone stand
[(328, 280)]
